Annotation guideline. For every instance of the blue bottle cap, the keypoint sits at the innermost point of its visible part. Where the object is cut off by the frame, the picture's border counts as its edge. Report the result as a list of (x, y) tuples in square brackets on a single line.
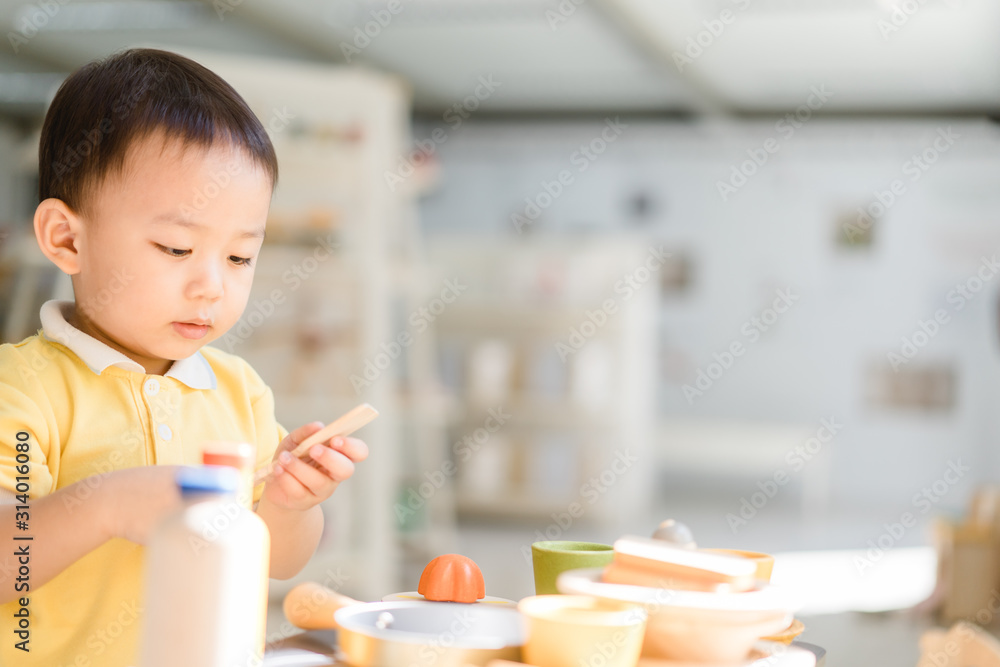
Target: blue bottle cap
[(208, 479)]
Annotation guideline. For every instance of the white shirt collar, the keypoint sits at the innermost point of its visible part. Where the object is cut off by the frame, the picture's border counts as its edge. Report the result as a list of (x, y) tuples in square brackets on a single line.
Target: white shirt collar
[(194, 371)]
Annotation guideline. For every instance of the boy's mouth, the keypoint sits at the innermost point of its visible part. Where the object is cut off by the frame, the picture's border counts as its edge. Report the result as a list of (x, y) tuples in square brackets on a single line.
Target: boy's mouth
[(191, 330)]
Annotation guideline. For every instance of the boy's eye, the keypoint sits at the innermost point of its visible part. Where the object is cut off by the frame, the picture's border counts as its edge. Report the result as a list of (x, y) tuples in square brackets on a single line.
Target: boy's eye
[(173, 252), (177, 252), (242, 261)]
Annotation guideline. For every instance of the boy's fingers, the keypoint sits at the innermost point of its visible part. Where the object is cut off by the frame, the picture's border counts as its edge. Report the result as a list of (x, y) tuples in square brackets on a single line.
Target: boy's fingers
[(329, 465), (300, 434), (336, 465), (322, 466), (353, 448), (291, 479), (287, 482), (332, 461)]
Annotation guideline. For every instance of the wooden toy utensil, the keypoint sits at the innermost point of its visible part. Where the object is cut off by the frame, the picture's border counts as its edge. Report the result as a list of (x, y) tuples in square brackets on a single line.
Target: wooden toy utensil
[(342, 426)]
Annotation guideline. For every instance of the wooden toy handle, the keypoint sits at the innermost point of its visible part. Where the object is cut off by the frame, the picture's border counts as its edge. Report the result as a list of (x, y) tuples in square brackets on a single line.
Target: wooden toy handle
[(310, 606), (343, 425)]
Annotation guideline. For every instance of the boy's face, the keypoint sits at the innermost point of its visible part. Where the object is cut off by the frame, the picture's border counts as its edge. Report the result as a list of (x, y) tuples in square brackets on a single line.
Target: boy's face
[(167, 250)]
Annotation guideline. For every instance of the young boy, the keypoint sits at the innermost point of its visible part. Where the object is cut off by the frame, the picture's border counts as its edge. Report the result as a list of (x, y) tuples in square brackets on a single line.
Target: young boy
[(155, 182)]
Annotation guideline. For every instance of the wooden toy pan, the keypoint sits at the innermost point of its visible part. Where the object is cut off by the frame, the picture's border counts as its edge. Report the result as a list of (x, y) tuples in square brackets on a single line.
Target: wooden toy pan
[(384, 634)]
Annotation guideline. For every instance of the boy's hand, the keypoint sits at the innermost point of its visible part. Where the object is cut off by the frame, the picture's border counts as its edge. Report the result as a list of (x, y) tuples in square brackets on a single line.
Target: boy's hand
[(299, 484), (136, 499)]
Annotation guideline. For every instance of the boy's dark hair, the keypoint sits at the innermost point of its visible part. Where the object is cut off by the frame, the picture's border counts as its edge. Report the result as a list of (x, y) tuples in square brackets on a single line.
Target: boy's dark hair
[(106, 106)]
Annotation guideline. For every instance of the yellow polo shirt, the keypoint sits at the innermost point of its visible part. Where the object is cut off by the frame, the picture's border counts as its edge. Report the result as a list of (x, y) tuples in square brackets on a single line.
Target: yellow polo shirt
[(87, 409)]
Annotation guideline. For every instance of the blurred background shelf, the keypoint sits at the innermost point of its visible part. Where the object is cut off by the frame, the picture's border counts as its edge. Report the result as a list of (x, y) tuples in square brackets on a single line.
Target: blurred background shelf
[(343, 258), (570, 368), (412, 154)]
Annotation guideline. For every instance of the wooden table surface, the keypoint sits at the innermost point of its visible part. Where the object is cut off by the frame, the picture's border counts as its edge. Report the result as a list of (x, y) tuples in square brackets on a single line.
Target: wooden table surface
[(315, 648)]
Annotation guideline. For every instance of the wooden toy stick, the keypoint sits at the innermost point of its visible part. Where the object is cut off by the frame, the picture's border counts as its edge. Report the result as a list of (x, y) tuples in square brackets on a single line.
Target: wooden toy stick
[(344, 425)]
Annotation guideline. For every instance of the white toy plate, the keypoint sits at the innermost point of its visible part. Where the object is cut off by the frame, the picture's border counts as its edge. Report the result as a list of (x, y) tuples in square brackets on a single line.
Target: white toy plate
[(413, 595), (764, 597)]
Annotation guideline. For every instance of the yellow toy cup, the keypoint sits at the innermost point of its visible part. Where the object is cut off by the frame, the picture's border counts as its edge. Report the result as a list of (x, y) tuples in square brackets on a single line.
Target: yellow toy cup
[(575, 630)]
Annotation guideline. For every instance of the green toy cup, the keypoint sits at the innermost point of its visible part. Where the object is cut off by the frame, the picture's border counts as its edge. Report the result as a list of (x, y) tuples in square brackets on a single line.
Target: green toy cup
[(550, 559)]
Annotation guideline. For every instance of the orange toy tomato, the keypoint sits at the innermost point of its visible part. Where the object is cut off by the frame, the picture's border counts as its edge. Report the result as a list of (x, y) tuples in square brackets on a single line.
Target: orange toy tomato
[(452, 578)]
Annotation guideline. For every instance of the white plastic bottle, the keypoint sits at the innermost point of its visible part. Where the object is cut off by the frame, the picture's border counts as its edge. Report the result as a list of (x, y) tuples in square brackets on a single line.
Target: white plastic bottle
[(239, 455), (206, 578)]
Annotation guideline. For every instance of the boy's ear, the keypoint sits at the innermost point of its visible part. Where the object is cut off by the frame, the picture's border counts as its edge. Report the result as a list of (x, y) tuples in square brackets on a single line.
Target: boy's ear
[(57, 228)]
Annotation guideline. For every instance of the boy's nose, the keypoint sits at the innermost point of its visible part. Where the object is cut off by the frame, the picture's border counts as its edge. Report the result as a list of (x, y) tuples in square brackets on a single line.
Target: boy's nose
[(207, 284)]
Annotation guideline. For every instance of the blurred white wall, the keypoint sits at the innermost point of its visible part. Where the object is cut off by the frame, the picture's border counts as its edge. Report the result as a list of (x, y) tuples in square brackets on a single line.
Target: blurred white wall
[(778, 232)]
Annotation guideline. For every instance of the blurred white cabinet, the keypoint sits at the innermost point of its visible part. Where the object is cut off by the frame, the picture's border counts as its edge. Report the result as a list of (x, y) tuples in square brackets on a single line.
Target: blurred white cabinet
[(551, 351), (341, 262)]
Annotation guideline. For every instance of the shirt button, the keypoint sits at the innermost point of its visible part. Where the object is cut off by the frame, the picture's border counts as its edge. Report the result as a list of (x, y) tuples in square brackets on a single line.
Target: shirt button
[(152, 386), (164, 431)]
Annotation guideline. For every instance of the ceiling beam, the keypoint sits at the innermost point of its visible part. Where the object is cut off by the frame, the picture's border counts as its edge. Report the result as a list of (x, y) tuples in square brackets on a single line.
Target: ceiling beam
[(621, 13), (273, 19)]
